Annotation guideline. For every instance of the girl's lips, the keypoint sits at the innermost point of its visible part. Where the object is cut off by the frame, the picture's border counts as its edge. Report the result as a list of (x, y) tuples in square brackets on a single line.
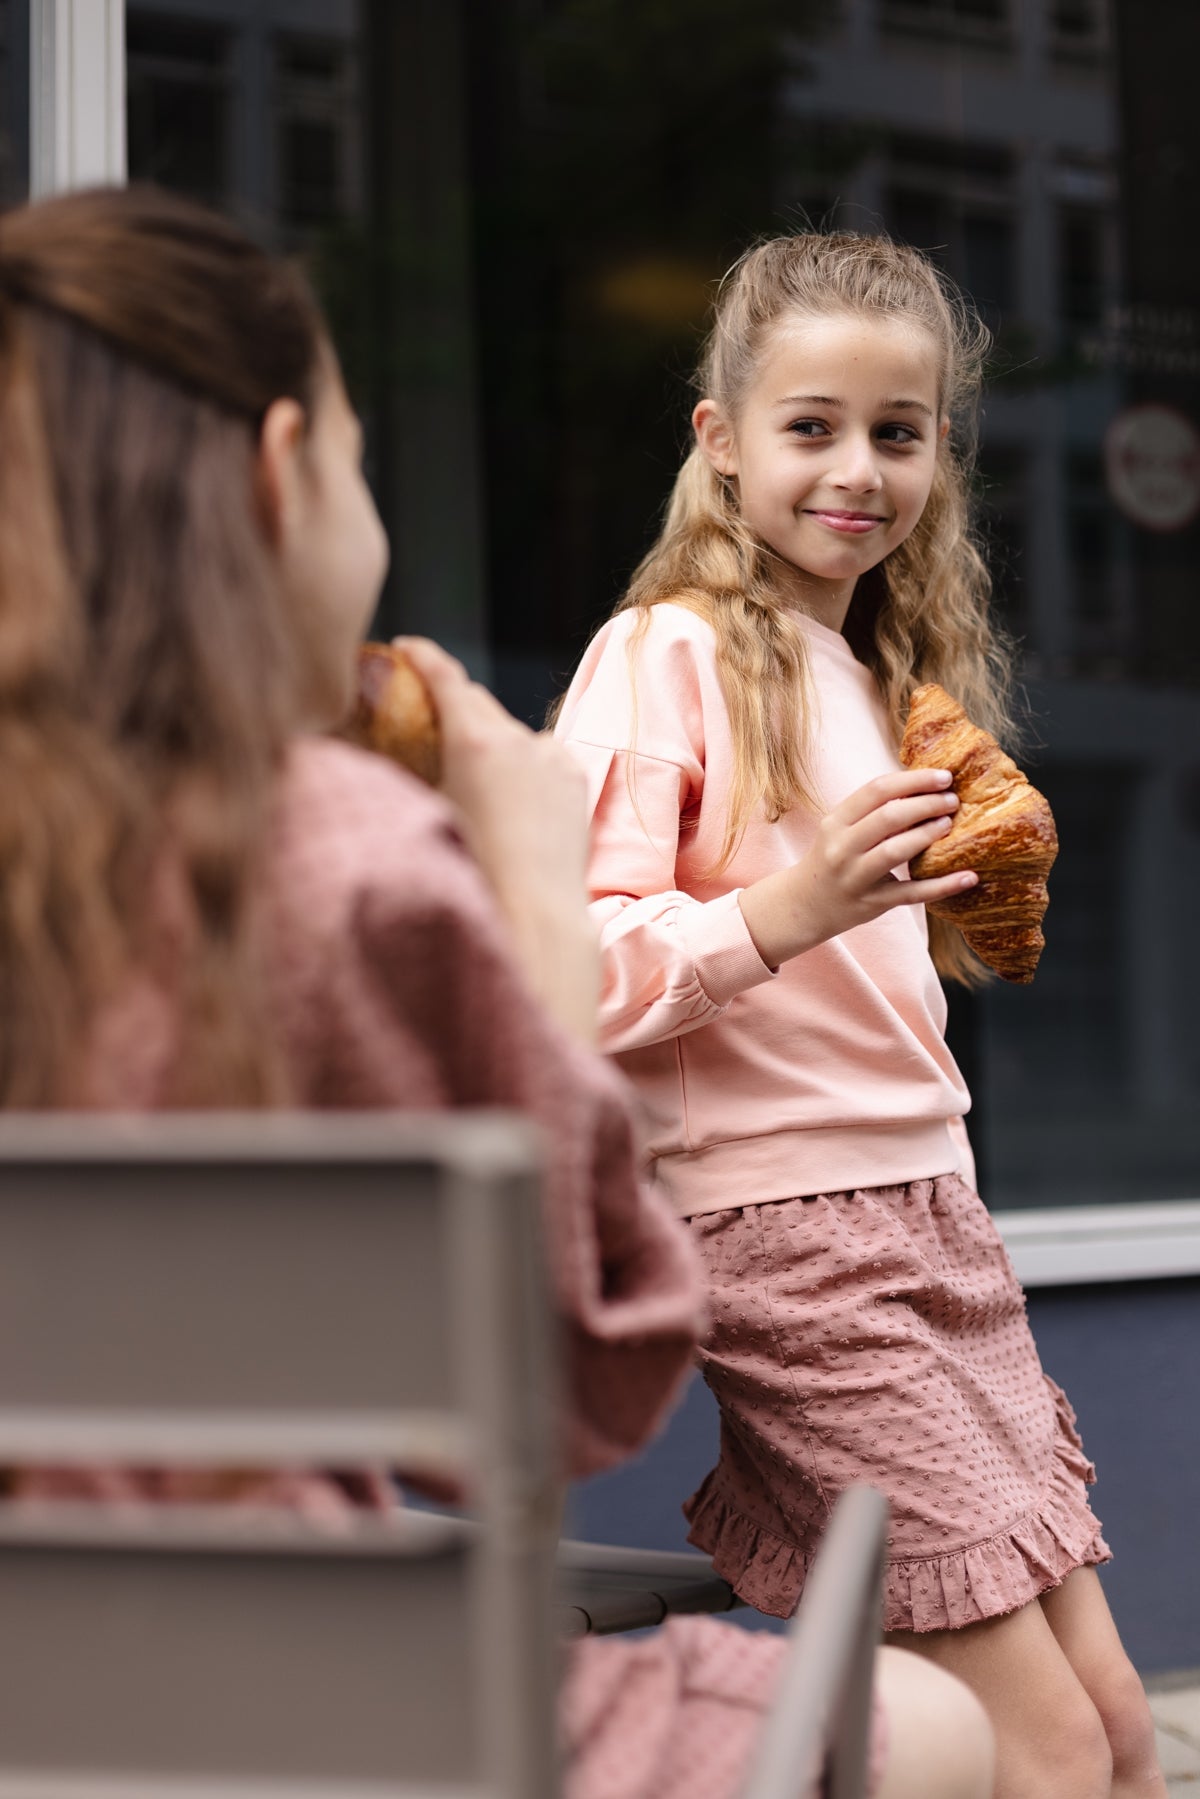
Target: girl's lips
[(854, 522)]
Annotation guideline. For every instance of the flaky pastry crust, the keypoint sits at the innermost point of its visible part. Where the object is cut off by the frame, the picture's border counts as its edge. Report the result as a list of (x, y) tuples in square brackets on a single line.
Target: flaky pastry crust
[(393, 714), (1003, 829)]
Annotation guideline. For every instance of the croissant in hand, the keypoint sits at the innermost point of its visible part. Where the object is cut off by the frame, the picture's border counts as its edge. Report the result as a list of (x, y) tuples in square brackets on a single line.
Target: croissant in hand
[(393, 714), (1003, 829)]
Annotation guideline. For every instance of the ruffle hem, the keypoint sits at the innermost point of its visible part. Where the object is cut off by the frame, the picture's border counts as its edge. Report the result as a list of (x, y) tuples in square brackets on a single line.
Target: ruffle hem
[(999, 1574)]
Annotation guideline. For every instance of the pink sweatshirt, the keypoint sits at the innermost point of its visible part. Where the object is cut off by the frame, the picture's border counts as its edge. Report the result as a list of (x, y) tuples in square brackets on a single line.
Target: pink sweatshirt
[(828, 1074)]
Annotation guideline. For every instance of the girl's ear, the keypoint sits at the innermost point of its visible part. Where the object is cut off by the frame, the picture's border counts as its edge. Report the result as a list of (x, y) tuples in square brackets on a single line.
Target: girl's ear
[(715, 437), (943, 428), (281, 440)]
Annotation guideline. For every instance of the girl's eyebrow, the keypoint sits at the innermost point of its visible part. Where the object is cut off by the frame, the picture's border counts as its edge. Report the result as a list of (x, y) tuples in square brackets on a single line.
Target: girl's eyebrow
[(829, 400)]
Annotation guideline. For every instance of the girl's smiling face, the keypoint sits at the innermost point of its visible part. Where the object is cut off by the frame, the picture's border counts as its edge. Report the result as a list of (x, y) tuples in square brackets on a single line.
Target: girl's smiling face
[(833, 450)]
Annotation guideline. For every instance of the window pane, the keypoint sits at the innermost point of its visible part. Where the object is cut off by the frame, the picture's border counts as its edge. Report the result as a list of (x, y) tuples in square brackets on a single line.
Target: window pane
[(264, 108), (14, 101), (1000, 140), (178, 86), (517, 214)]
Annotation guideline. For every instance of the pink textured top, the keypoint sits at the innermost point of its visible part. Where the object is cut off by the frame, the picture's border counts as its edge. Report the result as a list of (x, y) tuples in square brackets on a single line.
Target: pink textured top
[(830, 1073), (393, 985)]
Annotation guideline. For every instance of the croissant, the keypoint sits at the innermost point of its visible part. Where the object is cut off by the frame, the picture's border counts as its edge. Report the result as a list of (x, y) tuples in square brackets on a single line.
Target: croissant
[(393, 714), (1003, 829)]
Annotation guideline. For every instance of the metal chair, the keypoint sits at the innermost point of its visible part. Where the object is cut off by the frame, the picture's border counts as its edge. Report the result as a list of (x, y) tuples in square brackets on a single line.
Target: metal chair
[(821, 1715), (276, 1291), (605, 1589)]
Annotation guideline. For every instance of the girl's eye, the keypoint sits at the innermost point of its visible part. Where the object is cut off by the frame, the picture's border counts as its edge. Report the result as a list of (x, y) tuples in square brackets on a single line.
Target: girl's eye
[(808, 428), (899, 434)]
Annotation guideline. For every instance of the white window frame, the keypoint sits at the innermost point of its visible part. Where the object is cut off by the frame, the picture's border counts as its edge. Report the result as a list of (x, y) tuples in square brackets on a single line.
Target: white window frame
[(76, 94), (77, 139), (1063, 1246)]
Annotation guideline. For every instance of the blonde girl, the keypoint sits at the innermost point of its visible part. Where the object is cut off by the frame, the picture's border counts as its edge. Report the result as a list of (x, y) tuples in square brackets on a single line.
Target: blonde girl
[(771, 985)]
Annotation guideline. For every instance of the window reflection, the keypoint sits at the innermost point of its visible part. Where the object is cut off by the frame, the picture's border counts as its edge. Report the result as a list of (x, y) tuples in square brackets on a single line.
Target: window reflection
[(517, 213), (179, 82), (14, 101)]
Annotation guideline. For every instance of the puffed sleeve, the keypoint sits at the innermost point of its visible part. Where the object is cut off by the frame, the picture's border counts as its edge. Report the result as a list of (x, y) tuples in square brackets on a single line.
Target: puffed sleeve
[(637, 718), (404, 991)]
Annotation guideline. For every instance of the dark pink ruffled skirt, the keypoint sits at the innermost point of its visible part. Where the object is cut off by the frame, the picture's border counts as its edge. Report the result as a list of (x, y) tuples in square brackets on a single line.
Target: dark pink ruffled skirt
[(881, 1336)]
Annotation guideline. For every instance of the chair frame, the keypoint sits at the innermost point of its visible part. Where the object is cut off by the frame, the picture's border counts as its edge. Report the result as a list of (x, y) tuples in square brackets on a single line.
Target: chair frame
[(493, 1423), (822, 1706)]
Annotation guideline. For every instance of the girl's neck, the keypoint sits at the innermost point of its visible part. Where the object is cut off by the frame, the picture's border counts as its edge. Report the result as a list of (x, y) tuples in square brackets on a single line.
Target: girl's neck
[(826, 601)]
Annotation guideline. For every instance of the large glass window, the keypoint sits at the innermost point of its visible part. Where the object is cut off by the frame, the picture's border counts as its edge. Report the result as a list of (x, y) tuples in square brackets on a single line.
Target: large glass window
[(517, 213), (179, 86), (619, 164)]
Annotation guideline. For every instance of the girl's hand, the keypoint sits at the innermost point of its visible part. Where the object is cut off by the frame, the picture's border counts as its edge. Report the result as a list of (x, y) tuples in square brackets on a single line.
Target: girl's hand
[(522, 806), (846, 878)]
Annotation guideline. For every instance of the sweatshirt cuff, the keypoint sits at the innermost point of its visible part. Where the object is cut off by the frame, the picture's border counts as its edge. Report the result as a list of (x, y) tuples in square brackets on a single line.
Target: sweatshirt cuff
[(722, 949)]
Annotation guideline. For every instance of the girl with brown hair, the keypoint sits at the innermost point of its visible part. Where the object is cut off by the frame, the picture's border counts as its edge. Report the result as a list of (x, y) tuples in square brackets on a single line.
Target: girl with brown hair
[(204, 901), (770, 985)]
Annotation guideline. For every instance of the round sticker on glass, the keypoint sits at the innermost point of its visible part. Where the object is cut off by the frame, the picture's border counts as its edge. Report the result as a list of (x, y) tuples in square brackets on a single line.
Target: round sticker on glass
[(1152, 460)]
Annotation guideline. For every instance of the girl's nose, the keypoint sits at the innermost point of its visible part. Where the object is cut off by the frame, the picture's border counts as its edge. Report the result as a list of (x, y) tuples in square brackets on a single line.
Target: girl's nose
[(858, 466)]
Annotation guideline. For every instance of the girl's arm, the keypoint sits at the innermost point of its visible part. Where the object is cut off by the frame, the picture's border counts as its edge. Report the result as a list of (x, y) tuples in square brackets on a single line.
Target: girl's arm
[(671, 962)]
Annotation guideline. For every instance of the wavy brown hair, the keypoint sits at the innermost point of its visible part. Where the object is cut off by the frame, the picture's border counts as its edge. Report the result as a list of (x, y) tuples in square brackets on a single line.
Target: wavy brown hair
[(148, 673), (921, 615)]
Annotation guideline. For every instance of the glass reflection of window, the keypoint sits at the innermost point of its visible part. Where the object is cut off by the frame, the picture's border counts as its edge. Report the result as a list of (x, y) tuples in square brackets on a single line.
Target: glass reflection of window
[(14, 101), (1083, 287), (1002, 492), (1099, 562), (315, 103), (986, 22), (955, 200), (178, 86), (1060, 1048), (1078, 30)]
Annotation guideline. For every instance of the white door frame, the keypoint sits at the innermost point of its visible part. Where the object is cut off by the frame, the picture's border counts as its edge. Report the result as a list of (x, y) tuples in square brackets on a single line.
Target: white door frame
[(76, 94)]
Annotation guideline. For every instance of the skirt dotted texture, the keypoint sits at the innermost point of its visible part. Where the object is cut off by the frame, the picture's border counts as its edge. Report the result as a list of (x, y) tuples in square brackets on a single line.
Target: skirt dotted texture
[(881, 1336)]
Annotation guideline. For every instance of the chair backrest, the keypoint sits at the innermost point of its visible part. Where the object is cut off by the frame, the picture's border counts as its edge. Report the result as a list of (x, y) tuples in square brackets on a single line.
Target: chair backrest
[(821, 1710), (277, 1290)]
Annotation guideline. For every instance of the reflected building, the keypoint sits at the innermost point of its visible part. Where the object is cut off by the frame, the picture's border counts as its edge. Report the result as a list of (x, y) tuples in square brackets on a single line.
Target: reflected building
[(996, 138), (516, 213), (249, 105)]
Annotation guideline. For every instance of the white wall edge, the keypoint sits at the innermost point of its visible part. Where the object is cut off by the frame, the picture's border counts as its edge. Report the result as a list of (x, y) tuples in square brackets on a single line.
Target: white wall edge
[(1069, 1245), (77, 94)]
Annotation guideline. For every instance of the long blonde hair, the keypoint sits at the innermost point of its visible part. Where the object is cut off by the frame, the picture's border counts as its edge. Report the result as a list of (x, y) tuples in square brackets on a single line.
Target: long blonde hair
[(921, 615)]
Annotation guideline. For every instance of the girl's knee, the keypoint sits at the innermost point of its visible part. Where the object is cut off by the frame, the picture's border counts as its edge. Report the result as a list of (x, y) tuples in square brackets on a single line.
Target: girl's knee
[(1125, 1716), (1075, 1755)]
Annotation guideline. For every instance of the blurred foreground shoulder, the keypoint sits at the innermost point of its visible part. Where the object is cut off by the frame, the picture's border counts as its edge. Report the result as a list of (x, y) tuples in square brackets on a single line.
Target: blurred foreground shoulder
[(346, 820)]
